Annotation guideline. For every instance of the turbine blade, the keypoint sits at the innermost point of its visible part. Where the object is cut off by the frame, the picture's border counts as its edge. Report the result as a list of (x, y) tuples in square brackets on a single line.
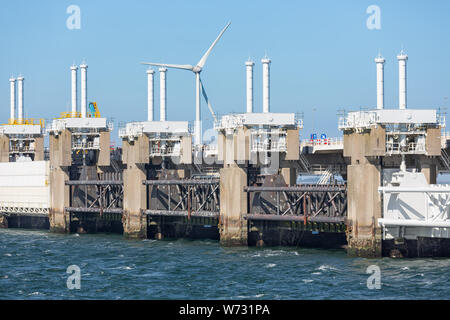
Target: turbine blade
[(176, 66), (207, 100), (202, 61)]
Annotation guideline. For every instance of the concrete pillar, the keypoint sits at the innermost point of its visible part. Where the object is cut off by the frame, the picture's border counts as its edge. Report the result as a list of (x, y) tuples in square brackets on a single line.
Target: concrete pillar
[(104, 158), (39, 149), (233, 206), (364, 210), (430, 172), (134, 201), (289, 175), (135, 155), (60, 160), (4, 149)]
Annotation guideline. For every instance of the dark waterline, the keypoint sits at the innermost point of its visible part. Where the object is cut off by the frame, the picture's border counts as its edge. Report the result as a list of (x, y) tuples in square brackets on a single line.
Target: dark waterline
[(33, 266)]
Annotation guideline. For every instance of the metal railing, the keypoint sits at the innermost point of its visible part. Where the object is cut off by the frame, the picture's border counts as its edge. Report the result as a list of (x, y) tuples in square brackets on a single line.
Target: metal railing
[(28, 122)]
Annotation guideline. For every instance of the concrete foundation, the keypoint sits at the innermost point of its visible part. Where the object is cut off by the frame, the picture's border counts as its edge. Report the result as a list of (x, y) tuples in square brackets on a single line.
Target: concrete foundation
[(233, 206)]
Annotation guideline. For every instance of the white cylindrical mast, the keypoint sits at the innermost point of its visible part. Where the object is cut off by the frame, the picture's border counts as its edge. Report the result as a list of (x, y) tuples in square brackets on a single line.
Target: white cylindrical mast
[(162, 94), (84, 99), (12, 90), (198, 115), (20, 98), (74, 89), (150, 94), (249, 66), (266, 84), (402, 58), (380, 81)]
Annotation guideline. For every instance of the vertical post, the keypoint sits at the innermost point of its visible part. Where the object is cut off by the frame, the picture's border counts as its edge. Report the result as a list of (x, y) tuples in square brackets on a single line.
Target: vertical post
[(249, 67), (12, 86), (162, 94), (266, 84), (73, 70), (380, 81), (402, 58), (83, 68), (20, 98), (198, 116), (150, 94)]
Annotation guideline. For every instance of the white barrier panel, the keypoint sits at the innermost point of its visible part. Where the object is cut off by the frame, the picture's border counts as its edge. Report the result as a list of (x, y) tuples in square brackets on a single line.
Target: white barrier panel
[(24, 186)]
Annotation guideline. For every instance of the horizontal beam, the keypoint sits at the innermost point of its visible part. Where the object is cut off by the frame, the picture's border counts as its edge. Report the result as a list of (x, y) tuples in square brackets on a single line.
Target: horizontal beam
[(182, 213), (300, 218), (93, 182), (297, 189), (413, 223), (94, 210), (182, 182)]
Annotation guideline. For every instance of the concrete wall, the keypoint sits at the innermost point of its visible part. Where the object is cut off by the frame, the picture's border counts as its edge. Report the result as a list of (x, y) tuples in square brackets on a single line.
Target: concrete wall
[(293, 144), (137, 151), (61, 149), (39, 149), (289, 175), (186, 150), (104, 154), (242, 145), (433, 142), (4, 149)]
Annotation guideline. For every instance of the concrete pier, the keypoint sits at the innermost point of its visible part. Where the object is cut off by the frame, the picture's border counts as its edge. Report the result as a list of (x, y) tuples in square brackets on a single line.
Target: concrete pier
[(233, 206), (135, 156), (60, 162)]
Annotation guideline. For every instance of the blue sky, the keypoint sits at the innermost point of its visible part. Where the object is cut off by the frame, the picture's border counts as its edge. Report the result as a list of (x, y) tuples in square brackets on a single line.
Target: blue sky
[(322, 55)]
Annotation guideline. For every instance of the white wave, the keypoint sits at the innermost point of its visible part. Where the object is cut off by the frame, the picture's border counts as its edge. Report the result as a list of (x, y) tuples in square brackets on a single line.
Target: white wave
[(326, 267)]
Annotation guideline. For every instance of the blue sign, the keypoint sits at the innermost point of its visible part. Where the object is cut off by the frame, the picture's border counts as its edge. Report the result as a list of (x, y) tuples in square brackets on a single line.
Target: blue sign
[(323, 136), (313, 136)]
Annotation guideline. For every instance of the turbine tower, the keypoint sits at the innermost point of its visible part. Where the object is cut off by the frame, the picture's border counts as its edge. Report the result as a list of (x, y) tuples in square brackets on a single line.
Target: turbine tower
[(199, 85)]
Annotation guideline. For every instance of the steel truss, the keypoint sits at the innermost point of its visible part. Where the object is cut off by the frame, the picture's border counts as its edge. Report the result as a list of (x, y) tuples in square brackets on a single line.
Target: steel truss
[(187, 197), (327, 204), (96, 196)]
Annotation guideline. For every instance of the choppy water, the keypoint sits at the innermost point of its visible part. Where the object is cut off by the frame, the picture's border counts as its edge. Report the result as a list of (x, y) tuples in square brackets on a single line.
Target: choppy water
[(33, 266)]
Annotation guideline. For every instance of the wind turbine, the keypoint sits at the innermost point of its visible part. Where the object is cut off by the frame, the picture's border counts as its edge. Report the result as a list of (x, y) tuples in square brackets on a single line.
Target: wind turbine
[(199, 85)]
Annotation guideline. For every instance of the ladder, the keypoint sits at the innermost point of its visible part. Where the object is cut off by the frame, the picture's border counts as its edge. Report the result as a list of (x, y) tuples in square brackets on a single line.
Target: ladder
[(305, 163)]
